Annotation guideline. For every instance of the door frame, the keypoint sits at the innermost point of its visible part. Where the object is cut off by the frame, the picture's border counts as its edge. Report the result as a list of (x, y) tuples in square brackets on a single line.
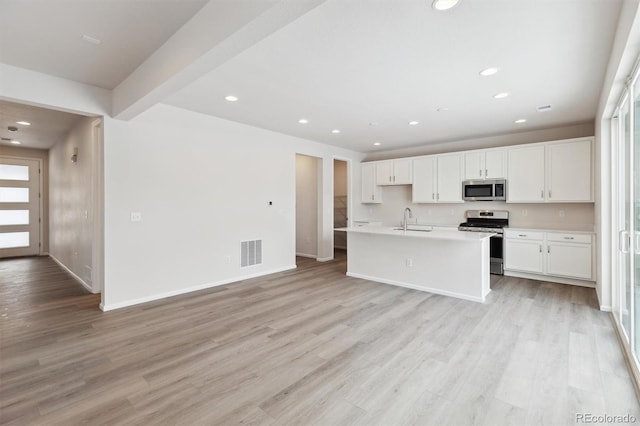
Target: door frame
[(349, 188), (41, 251)]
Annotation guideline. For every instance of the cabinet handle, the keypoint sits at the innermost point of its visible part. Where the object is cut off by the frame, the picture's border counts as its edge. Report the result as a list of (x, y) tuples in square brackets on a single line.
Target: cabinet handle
[(433, 196), (522, 235), (389, 178), (438, 196), (540, 248), (568, 238), (549, 193), (486, 172), (480, 172), (542, 194), (372, 197), (548, 249), (394, 179)]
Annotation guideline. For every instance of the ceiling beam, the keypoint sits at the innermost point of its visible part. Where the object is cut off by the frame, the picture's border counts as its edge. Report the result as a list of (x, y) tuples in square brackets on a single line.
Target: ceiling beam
[(221, 30)]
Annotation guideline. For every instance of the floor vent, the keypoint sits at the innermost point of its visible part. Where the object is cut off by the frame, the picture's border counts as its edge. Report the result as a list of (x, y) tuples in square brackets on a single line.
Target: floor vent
[(251, 253)]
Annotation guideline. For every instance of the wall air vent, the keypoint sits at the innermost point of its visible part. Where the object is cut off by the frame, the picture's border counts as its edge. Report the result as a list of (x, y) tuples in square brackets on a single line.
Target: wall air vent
[(250, 253)]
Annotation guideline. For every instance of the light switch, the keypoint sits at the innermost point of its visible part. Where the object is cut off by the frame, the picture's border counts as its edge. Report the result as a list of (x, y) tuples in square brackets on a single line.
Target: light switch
[(136, 217)]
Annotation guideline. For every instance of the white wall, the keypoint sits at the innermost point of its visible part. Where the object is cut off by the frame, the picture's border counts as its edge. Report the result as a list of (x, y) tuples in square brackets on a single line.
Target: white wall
[(202, 185), (306, 206), (71, 201), (578, 216), (532, 136)]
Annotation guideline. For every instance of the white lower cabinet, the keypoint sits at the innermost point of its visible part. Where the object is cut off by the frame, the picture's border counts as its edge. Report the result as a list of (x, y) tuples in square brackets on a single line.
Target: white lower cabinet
[(564, 255)]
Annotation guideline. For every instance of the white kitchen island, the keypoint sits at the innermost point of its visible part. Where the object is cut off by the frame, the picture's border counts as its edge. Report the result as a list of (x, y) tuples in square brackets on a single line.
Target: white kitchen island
[(451, 263)]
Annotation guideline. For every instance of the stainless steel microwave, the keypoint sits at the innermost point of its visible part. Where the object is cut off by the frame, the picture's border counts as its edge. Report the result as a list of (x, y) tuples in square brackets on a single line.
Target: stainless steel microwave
[(484, 190)]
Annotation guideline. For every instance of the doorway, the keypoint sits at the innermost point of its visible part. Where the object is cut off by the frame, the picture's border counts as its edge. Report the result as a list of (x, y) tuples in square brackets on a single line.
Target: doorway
[(340, 205), (19, 207), (308, 220)]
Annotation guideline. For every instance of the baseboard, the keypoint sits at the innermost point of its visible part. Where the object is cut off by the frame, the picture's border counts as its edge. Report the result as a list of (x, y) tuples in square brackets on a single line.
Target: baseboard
[(324, 259), (550, 279), (420, 288), (628, 356), (77, 278), (310, 256), (119, 305)]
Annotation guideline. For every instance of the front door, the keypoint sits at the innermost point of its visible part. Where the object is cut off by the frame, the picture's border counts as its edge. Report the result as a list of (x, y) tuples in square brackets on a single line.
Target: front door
[(19, 207)]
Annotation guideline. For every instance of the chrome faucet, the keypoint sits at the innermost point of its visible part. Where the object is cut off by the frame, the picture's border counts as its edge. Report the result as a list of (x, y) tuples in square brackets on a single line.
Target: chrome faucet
[(407, 210)]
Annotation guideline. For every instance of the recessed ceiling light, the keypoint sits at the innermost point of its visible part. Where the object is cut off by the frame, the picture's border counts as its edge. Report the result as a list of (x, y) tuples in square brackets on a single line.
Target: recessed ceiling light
[(91, 40), (488, 71), (544, 108), (231, 98), (442, 109), (12, 128), (414, 123), (336, 131), (377, 143), (444, 4), (374, 123), (501, 95), (520, 121), (23, 123), (303, 121), (16, 142)]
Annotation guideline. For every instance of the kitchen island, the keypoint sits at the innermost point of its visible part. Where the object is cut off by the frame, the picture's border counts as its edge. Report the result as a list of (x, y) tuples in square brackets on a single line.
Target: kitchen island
[(447, 262)]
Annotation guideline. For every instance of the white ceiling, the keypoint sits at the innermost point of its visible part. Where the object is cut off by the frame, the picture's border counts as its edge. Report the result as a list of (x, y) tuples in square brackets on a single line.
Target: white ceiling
[(344, 64), (347, 64), (46, 35), (46, 129)]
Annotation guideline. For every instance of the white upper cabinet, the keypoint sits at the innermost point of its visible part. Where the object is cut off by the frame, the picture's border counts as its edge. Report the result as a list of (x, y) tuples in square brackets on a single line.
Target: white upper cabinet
[(370, 190), (424, 180), (569, 176), (449, 178), (437, 179), (394, 172), (525, 180), (558, 172), (485, 164)]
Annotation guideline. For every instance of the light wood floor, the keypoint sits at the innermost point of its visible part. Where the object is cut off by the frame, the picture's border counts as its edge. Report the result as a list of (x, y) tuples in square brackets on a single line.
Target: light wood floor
[(309, 346)]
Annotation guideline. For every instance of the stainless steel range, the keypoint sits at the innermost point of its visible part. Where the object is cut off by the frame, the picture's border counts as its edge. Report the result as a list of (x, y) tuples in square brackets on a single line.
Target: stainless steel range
[(489, 221)]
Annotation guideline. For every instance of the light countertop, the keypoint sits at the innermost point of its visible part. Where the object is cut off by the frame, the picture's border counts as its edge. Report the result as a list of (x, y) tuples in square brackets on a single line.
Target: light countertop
[(434, 235)]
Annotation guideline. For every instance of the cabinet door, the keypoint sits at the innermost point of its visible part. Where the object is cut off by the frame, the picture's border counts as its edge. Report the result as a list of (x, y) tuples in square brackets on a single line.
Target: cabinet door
[(569, 171), (525, 177), (449, 172), (569, 260), (494, 164), (402, 171), (473, 165), (384, 172), (523, 255), (424, 188), (370, 191)]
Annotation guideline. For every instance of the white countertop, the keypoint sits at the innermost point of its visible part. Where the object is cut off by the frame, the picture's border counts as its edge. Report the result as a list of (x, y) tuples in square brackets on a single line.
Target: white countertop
[(434, 235), (569, 231)]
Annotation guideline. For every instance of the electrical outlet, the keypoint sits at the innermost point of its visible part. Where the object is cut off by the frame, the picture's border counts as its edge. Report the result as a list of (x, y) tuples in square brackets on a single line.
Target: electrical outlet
[(561, 213), (409, 262), (136, 217), (227, 260), (524, 212)]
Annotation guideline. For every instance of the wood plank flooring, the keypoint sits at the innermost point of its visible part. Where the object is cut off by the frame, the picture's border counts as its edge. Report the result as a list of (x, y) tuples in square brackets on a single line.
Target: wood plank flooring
[(305, 347)]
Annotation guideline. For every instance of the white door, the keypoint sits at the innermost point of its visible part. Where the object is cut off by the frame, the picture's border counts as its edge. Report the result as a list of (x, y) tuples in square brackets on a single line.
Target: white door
[(523, 255), (473, 165), (569, 260), (449, 178), (424, 185), (494, 164), (525, 181), (19, 207), (569, 171)]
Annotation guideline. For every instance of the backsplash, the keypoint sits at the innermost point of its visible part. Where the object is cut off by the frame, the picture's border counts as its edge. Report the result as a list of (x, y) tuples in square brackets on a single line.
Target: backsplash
[(567, 216)]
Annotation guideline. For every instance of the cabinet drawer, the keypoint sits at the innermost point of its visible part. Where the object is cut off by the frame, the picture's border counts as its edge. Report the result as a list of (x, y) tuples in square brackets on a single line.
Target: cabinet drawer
[(566, 237), (523, 235)]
